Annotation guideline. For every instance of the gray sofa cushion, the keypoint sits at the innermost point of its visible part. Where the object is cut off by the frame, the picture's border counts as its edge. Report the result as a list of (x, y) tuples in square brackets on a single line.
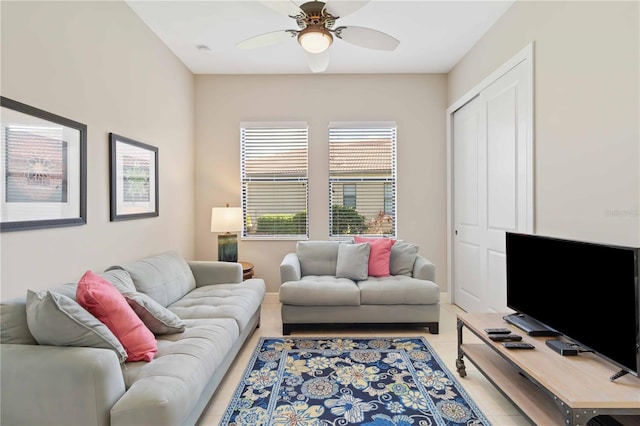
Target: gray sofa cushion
[(165, 277), (238, 301), (320, 290), (317, 257), (398, 290), (182, 368), (353, 261)]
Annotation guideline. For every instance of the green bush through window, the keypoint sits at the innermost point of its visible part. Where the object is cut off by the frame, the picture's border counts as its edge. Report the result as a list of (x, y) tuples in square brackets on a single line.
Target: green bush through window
[(347, 221), (282, 224)]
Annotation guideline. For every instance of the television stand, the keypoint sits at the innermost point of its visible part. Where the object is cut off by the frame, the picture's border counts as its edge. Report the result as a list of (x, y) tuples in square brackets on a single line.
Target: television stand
[(546, 388), (529, 325)]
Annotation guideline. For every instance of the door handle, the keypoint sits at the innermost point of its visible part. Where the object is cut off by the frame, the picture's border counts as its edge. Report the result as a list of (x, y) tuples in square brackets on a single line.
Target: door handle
[(455, 232)]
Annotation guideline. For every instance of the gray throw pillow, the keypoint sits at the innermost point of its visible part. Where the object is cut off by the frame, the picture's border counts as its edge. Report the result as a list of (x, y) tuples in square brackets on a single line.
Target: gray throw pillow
[(57, 320), (120, 279), (403, 256), (353, 261), (156, 317)]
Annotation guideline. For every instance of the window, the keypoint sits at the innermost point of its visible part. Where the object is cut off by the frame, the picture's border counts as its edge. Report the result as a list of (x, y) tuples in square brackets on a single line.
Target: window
[(362, 162), (349, 195), (389, 198), (275, 194)]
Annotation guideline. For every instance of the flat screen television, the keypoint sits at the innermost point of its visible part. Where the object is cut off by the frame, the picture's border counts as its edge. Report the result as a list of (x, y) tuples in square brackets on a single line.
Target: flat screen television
[(585, 291)]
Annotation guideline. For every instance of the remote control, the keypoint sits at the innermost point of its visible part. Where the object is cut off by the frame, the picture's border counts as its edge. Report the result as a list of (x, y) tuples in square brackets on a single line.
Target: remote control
[(518, 345), (503, 337), (497, 330)]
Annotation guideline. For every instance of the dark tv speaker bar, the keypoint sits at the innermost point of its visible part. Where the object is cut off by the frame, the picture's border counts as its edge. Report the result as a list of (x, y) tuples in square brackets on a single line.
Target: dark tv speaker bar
[(561, 347), (529, 325)]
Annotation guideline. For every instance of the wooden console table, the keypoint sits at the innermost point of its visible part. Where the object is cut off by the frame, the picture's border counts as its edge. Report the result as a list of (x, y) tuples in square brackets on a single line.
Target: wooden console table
[(548, 388)]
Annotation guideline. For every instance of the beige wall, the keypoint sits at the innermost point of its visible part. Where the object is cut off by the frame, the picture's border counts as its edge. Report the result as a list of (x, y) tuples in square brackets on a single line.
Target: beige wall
[(587, 139), (97, 63), (416, 102)]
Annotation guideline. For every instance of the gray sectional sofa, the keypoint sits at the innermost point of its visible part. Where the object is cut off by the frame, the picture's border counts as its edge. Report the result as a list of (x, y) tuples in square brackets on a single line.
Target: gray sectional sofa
[(65, 385), (318, 290)]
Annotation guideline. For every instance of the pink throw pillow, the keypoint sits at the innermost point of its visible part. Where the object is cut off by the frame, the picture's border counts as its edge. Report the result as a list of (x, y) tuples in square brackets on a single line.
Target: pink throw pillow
[(107, 304), (379, 256)]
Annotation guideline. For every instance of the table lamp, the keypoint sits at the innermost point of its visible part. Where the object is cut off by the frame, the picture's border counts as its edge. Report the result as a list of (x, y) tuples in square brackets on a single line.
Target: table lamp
[(227, 221)]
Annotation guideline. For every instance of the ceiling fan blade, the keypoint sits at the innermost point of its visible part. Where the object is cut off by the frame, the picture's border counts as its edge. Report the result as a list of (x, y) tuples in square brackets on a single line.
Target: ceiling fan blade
[(284, 7), (367, 37), (318, 62), (266, 39), (340, 9)]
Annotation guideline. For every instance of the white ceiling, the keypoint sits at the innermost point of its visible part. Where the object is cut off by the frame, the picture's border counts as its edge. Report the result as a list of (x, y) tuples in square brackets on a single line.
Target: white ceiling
[(434, 35)]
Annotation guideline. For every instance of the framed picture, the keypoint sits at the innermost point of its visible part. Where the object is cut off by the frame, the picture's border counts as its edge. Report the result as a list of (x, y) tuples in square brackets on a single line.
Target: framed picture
[(43, 169), (133, 178)]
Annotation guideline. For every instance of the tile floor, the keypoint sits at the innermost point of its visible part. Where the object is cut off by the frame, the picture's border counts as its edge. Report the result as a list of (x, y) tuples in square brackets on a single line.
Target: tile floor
[(494, 406)]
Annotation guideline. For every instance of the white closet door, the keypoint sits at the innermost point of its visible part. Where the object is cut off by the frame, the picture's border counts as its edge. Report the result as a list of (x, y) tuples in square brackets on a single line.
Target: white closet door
[(468, 147), (490, 162)]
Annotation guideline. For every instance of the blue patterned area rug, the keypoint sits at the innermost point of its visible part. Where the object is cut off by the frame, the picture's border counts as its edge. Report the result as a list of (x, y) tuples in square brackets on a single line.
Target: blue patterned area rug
[(350, 380)]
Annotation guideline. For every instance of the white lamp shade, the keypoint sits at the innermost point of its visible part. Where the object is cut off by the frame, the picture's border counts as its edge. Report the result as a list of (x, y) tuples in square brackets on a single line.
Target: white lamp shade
[(226, 219), (315, 41)]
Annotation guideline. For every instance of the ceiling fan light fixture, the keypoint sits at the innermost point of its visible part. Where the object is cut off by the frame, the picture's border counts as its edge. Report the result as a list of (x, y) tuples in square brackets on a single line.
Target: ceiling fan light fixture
[(315, 39)]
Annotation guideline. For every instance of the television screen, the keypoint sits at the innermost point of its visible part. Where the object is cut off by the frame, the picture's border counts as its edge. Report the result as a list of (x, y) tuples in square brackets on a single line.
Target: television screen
[(588, 292)]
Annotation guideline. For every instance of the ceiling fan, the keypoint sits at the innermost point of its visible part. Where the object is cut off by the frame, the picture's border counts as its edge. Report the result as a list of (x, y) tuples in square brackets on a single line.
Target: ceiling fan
[(316, 21)]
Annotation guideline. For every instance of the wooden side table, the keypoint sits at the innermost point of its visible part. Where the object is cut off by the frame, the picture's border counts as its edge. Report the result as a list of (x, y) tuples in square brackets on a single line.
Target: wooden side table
[(247, 270)]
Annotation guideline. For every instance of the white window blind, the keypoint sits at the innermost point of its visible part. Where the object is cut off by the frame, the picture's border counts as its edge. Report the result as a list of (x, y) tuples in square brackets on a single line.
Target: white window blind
[(362, 156), (275, 195)]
